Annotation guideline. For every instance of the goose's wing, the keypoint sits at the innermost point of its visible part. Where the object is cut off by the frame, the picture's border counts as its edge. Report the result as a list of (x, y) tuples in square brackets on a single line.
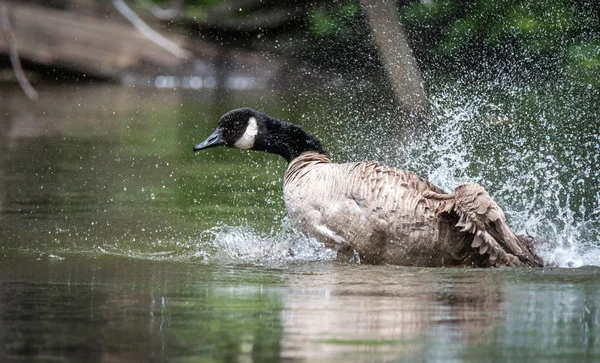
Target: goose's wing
[(367, 204), (415, 200), (481, 216), (404, 221), (386, 189)]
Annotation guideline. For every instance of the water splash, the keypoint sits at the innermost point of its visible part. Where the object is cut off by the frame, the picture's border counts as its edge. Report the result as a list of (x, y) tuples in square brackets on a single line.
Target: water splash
[(534, 153), (538, 167), (275, 249)]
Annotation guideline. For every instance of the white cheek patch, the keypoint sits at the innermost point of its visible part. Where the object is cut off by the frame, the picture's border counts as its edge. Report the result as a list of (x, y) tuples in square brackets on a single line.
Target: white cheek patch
[(247, 140)]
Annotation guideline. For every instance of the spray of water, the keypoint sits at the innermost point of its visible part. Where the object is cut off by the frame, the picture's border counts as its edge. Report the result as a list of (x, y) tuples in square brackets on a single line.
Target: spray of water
[(275, 249), (536, 157), (539, 169)]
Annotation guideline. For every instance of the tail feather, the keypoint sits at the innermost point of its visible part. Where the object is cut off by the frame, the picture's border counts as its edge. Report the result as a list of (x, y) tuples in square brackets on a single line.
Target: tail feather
[(481, 216)]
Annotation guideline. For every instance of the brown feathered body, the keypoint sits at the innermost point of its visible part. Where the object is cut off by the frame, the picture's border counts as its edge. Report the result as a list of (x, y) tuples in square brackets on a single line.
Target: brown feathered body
[(383, 215)]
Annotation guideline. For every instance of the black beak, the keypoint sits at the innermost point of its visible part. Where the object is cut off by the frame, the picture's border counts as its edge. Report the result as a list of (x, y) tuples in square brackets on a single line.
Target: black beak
[(213, 140)]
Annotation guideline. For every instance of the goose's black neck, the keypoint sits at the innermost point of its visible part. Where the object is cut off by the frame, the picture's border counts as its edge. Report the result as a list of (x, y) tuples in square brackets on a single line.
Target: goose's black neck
[(286, 139)]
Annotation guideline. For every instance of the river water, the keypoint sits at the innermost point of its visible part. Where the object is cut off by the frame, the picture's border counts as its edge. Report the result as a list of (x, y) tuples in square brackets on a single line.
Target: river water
[(120, 244)]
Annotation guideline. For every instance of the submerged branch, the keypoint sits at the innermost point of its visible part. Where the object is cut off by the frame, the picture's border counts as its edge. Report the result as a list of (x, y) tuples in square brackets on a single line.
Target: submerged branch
[(150, 33), (14, 54)]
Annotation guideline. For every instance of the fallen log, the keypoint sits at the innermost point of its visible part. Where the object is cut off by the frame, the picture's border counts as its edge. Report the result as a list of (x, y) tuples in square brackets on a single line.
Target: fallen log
[(106, 48)]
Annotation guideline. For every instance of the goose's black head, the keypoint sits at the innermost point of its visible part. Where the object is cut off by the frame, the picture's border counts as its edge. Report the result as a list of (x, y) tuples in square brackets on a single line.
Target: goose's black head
[(245, 128)]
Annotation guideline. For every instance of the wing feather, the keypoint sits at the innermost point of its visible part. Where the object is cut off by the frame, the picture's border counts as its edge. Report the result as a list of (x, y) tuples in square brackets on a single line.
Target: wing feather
[(394, 216)]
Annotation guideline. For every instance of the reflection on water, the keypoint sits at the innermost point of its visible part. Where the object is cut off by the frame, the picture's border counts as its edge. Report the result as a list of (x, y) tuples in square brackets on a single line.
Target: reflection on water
[(391, 312), (118, 244), (117, 309), (123, 310)]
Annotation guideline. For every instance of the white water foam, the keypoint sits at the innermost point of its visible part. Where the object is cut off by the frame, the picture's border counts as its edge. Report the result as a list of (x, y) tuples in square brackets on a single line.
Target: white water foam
[(278, 248)]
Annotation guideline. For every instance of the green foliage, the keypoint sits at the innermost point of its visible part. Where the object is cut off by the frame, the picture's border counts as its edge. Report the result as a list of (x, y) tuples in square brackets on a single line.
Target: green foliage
[(563, 30), (334, 21), (337, 37), (554, 37)]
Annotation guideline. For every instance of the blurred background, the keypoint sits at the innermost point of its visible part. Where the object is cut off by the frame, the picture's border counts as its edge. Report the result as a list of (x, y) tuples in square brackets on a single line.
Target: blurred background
[(119, 244)]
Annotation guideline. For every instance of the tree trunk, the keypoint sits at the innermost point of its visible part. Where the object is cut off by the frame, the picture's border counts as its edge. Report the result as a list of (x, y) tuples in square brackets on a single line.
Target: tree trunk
[(395, 55)]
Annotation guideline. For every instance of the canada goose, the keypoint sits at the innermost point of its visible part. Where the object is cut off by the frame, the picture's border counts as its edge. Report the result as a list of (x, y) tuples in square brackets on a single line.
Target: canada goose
[(381, 214)]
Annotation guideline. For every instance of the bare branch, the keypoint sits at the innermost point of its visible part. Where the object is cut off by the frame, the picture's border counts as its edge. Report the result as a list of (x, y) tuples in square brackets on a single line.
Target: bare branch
[(14, 54), (150, 33)]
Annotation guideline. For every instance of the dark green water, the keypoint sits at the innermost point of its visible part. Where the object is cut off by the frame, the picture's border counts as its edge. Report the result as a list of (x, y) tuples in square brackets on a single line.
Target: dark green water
[(118, 309), (118, 244)]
